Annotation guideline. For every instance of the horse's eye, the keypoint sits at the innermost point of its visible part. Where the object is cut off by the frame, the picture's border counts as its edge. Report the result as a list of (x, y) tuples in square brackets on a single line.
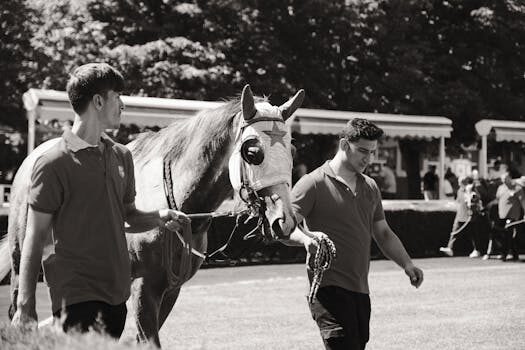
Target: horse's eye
[(252, 151)]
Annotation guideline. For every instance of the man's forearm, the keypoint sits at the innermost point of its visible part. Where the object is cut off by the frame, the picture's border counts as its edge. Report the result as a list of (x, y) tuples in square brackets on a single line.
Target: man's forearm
[(393, 249), (140, 221), (297, 238), (30, 262)]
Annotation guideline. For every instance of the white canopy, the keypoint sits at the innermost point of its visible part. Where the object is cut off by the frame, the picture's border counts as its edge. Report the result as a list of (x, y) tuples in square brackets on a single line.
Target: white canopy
[(152, 111), (504, 130), (321, 121)]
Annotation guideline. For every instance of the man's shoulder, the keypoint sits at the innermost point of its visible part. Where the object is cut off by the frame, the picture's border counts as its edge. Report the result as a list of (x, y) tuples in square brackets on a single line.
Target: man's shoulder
[(117, 147), (370, 182), (310, 180)]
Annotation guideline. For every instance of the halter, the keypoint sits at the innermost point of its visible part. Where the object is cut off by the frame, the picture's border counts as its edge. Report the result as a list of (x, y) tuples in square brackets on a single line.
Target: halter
[(255, 205)]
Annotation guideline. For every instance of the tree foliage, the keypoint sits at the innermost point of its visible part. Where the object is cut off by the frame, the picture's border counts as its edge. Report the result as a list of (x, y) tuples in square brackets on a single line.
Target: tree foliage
[(463, 59)]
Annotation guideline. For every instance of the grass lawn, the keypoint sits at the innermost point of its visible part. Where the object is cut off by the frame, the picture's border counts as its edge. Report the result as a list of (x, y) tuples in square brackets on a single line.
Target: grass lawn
[(463, 304)]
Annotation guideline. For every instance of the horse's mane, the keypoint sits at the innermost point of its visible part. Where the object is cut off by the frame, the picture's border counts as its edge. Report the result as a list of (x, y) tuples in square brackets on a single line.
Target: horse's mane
[(208, 130)]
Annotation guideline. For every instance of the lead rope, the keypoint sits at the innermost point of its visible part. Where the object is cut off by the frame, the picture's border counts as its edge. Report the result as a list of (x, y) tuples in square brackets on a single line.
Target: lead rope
[(324, 256), (174, 280)]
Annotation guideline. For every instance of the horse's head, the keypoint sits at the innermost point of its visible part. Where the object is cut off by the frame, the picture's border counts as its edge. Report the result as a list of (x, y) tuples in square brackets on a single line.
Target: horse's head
[(261, 163)]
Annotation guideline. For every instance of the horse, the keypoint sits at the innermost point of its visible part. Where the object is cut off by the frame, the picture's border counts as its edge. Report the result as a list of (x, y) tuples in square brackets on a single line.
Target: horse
[(242, 147)]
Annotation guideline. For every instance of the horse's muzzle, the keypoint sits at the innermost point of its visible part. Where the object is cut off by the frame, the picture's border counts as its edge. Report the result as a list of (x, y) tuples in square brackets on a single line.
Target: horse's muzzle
[(282, 223)]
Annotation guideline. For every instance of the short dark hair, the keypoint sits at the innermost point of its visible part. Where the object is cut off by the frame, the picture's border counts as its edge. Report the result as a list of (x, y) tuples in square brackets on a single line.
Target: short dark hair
[(91, 79), (360, 128)]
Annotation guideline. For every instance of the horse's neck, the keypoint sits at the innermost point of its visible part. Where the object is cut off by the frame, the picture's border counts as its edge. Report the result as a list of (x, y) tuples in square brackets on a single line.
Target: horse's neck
[(201, 178)]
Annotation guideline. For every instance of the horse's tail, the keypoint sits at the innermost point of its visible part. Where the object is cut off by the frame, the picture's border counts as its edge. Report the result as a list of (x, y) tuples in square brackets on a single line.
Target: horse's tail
[(5, 257)]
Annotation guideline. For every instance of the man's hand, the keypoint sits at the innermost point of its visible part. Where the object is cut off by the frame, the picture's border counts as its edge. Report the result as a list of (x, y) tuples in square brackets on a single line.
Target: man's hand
[(25, 318), (415, 274), (174, 220), (311, 244)]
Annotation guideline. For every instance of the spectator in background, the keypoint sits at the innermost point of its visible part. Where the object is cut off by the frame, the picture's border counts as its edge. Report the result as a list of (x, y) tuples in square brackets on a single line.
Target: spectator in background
[(388, 183), (511, 202), (430, 183), (448, 189), (453, 181), (481, 186), (468, 218)]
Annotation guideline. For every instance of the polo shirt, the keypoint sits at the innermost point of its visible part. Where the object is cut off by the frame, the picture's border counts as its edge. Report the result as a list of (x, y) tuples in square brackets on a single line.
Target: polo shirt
[(86, 190), (329, 205), (509, 202)]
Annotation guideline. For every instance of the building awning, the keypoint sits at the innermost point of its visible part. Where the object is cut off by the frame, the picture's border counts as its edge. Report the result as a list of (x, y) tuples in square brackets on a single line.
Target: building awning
[(142, 111), (151, 111), (318, 121), (504, 130)]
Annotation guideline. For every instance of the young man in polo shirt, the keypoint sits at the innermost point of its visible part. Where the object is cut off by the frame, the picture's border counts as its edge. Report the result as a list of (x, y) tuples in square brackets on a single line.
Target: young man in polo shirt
[(83, 190), (338, 201)]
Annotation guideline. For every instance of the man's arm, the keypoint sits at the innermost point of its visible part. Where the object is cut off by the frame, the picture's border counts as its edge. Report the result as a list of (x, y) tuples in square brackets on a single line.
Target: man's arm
[(140, 221), (393, 249), (38, 229), (302, 237)]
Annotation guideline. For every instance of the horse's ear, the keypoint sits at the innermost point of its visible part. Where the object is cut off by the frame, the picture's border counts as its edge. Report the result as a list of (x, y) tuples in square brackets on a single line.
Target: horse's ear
[(247, 103), (288, 108)]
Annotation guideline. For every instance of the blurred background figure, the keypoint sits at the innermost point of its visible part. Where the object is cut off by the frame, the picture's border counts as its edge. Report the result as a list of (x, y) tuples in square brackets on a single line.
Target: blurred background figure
[(388, 184), (430, 183), (469, 216), (452, 180), (511, 202), (298, 171)]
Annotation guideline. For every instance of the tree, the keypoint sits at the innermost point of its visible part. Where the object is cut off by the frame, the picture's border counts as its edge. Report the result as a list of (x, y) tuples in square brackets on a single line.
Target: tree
[(15, 61)]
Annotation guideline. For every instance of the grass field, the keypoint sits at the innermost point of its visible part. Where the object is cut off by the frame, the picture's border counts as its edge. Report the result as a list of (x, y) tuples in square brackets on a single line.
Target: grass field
[(463, 304)]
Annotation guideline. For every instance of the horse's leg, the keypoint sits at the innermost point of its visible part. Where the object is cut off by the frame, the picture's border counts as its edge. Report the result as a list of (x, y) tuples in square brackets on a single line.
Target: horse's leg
[(15, 251), (146, 296), (171, 295), (14, 293), (169, 299)]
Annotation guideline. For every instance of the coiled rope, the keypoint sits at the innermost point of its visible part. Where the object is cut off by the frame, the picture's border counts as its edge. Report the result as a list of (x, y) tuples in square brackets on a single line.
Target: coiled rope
[(324, 256)]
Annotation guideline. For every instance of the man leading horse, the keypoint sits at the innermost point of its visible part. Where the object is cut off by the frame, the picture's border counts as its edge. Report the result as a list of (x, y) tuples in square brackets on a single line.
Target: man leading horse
[(83, 190)]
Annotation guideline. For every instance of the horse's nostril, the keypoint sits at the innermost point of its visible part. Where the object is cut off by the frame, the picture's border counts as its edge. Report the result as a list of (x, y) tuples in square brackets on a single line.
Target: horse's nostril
[(277, 227)]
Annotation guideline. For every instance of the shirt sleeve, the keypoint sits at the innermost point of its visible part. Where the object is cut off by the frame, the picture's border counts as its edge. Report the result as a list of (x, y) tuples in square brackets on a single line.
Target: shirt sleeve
[(129, 195), (379, 213), (303, 196), (46, 192)]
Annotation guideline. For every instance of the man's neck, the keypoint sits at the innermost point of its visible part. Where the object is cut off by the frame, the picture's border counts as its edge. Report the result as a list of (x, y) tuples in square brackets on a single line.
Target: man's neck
[(88, 129), (341, 170)]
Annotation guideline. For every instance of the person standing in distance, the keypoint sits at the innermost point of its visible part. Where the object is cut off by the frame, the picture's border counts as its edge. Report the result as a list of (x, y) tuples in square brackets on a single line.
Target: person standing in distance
[(338, 201), (82, 192)]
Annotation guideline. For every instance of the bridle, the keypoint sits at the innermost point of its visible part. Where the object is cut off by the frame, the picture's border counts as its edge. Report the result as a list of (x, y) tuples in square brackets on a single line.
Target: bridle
[(255, 206)]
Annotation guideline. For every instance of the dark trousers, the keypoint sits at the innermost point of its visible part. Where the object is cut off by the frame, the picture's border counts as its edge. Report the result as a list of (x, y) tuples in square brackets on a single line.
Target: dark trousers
[(509, 242), (343, 317), (497, 234), (93, 315)]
